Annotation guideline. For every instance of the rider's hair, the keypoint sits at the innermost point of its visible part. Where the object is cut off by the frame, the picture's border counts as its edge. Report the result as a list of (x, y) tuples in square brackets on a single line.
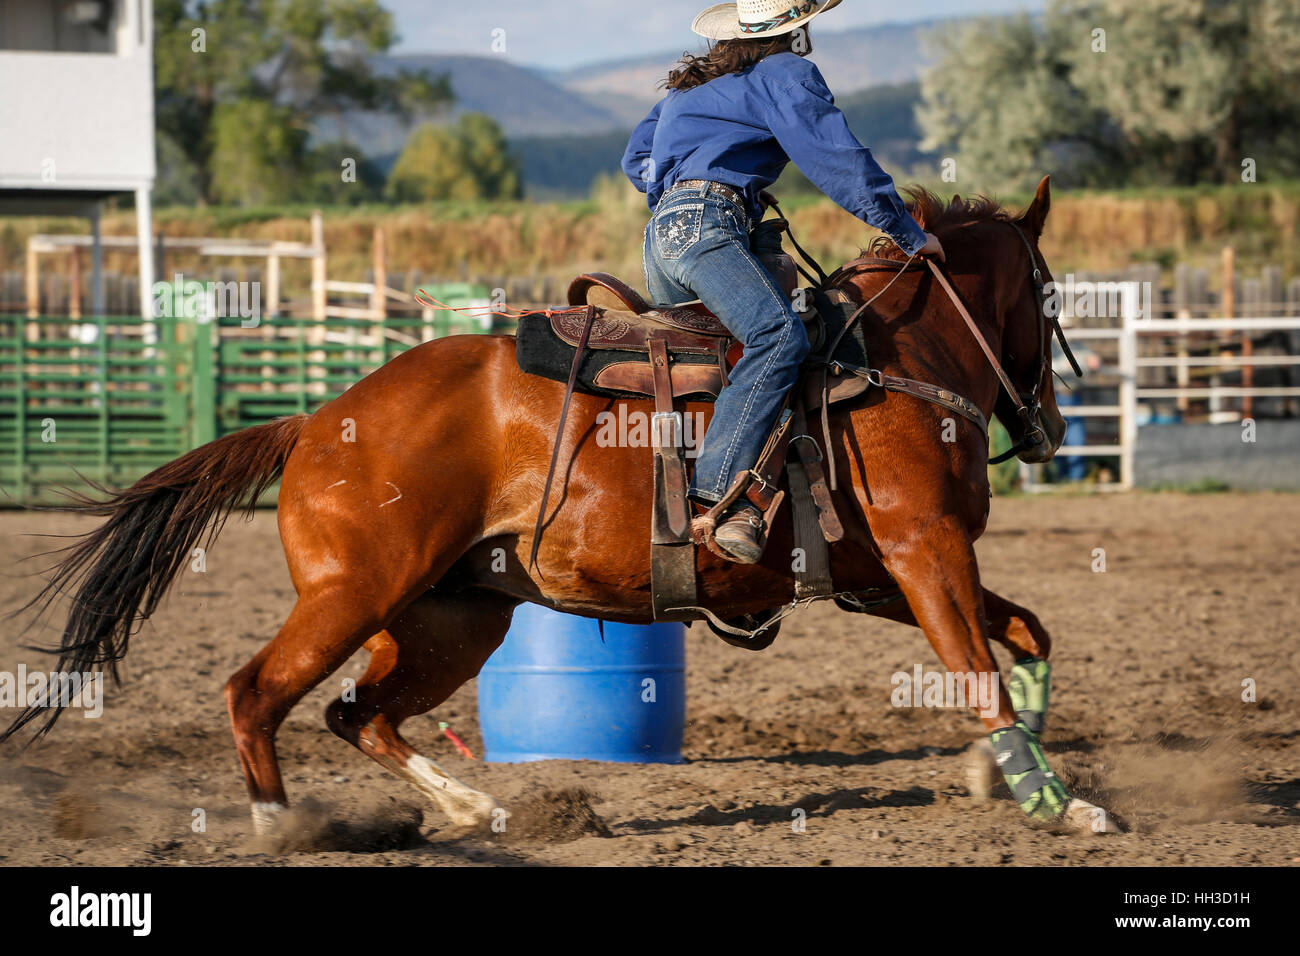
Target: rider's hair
[(732, 56)]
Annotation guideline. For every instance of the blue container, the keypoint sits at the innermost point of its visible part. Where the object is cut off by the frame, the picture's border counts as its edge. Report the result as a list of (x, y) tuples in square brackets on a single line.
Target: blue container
[(555, 691)]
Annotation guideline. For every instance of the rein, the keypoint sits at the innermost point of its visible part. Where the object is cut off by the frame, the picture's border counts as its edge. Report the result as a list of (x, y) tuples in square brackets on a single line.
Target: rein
[(1027, 405), (1033, 432), (800, 249)]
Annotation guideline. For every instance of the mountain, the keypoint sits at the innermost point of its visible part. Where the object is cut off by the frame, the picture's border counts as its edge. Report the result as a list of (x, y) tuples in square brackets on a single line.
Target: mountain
[(570, 126), (851, 60), (883, 117), (526, 102), (566, 167)]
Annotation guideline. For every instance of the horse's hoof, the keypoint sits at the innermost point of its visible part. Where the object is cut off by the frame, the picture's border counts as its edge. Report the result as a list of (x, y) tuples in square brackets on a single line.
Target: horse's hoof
[(1083, 817), (479, 811), (981, 771), (266, 817)]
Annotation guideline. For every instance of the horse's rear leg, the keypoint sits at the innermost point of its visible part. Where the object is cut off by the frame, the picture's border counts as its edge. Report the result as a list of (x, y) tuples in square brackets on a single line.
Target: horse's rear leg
[(324, 629), (939, 576), (430, 650)]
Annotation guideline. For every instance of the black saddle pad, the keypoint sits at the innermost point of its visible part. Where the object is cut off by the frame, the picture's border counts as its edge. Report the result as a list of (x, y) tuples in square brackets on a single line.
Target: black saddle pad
[(835, 315), (539, 351)]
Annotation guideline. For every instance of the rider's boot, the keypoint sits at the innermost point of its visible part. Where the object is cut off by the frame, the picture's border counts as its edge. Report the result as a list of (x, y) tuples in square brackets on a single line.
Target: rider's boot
[(740, 535), (736, 527)]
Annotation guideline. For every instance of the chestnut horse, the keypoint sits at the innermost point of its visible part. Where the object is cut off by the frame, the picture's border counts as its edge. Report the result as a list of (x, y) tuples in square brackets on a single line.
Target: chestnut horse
[(407, 506)]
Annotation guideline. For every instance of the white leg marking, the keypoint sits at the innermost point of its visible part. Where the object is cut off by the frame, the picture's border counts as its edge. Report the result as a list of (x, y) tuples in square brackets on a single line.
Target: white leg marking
[(265, 815), (465, 805), (1087, 818)]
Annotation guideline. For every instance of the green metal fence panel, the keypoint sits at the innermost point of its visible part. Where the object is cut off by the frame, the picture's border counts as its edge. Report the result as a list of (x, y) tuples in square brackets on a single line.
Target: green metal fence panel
[(203, 382), (110, 399), (93, 398)]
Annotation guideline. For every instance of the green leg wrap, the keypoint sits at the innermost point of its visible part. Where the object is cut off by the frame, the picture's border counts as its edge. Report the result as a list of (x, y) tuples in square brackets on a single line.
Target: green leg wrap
[(1036, 788), (1030, 685)]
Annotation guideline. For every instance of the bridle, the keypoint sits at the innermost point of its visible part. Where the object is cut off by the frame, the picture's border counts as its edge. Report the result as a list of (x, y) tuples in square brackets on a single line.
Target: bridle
[(1029, 407)]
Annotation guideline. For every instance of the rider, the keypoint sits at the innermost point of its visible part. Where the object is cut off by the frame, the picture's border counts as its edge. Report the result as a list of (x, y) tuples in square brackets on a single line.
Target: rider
[(731, 121)]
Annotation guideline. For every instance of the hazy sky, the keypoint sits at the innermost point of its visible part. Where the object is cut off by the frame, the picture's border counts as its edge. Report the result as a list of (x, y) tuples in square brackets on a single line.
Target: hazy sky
[(559, 33)]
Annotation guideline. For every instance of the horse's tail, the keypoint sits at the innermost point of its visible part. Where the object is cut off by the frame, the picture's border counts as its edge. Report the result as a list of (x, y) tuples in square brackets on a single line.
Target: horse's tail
[(122, 569)]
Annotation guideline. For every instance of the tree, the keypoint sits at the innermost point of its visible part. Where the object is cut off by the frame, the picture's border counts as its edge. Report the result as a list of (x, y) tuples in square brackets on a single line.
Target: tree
[(1001, 99), (488, 157), (255, 153), (177, 183), (467, 161), (239, 84), (1194, 84), (1166, 91), (341, 175)]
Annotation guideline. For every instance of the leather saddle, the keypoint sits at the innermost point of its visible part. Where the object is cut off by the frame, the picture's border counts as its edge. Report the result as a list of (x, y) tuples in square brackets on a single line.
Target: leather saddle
[(698, 344), (699, 348), (614, 295), (610, 341)]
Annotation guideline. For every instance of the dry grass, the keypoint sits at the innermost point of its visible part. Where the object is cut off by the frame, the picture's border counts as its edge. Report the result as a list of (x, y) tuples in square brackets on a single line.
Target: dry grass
[(556, 240)]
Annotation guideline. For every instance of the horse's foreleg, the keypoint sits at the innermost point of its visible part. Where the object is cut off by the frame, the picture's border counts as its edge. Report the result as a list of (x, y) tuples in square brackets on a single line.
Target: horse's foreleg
[(1019, 630), (939, 576), (425, 655), (1030, 679), (1016, 628), (1028, 682)]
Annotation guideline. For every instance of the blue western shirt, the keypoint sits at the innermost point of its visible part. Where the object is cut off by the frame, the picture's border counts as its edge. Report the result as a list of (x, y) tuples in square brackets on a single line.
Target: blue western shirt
[(742, 129)]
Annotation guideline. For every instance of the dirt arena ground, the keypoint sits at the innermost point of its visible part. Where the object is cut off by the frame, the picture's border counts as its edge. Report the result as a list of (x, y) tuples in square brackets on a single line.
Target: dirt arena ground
[(1200, 593)]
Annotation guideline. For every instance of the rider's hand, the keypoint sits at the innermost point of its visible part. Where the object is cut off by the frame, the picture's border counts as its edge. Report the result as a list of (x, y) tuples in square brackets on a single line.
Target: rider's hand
[(933, 247)]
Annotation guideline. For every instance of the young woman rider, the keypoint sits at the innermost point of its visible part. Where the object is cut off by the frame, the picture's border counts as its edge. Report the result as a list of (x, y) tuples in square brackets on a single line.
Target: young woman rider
[(730, 123)]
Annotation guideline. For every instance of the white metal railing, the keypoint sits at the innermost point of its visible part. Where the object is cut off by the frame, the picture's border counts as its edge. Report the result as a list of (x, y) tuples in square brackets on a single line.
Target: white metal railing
[(1131, 328)]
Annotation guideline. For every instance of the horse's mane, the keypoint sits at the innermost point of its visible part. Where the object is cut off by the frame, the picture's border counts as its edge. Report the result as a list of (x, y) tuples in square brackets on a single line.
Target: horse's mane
[(940, 218)]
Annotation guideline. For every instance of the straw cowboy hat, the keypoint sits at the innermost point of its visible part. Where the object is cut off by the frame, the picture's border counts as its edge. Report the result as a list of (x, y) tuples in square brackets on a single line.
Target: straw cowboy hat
[(754, 19)]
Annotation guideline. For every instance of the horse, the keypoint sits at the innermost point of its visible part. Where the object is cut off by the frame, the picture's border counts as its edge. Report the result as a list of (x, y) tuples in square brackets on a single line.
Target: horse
[(406, 511)]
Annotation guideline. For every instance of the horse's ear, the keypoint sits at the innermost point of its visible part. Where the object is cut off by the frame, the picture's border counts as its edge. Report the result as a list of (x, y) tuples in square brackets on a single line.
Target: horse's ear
[(1035, 217)]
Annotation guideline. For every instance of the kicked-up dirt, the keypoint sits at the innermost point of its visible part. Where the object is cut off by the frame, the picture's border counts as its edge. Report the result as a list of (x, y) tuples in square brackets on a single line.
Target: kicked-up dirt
[(1176, 704)]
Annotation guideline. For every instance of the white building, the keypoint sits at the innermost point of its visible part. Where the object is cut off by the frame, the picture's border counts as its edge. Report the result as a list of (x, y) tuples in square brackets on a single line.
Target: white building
[(77, 114)]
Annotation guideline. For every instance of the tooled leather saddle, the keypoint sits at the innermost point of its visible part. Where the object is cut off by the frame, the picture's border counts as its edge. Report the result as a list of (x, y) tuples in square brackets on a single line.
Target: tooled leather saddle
[(611, 342)]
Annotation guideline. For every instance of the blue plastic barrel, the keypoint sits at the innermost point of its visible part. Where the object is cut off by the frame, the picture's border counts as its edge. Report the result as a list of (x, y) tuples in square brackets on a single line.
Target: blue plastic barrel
[(555, 691)]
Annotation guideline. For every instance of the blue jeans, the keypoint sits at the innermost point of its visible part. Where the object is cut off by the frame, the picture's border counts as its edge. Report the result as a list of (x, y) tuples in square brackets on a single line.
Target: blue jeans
[(1073, 467), (697, 247)]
